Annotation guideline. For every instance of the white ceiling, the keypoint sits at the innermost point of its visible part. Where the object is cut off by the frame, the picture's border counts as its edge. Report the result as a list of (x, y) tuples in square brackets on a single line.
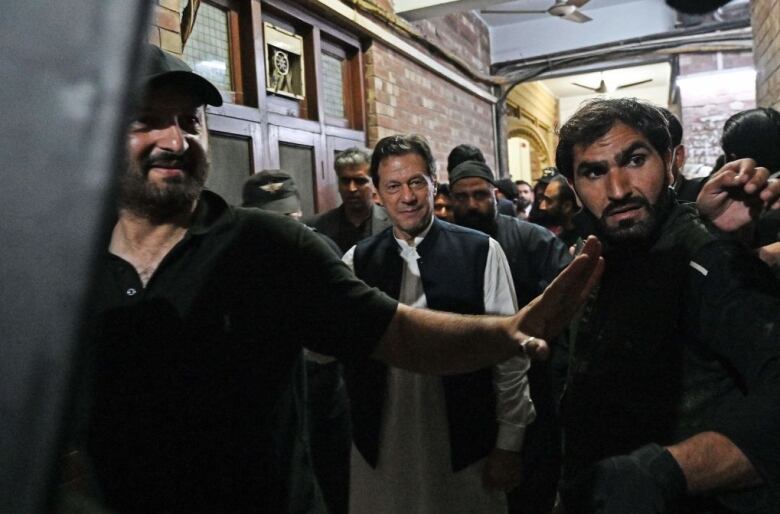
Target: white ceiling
[(514, 37), (660, 73), (495, 20), (518, 37), (571, 96)]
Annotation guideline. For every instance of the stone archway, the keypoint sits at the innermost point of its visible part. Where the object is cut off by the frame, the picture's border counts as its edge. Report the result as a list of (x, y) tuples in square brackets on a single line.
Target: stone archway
[(542, 155)]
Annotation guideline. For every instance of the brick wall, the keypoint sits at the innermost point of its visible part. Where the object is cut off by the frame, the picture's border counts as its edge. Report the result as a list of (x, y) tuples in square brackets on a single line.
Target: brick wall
[(701, 63), (463, 34), (165, 30), (402, 97), (703, 116), (765, 16), (712, 88)]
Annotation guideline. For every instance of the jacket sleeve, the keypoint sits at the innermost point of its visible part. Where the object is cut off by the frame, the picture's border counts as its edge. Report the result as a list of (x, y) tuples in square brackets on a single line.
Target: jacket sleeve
[(733, 306)]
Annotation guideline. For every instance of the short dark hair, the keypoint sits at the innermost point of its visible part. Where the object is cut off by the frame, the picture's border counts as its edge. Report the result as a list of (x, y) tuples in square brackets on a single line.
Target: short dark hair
[(402, 144), (597, 117), (754, 133), (463, 153), (519, 183), (509, 188), (565, 192), (350, 158), (443, 189), (675, 128)]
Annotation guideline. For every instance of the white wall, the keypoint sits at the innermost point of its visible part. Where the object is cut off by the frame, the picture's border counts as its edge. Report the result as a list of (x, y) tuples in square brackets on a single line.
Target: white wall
[(549, 35)]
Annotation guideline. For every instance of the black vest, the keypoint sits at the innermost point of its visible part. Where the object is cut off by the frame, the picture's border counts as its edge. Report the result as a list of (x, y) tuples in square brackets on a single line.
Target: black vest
[(452, 266)]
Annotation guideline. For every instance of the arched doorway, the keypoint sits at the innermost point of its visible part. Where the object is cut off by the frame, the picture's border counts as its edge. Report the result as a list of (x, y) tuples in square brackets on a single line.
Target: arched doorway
[(519, 154), (539, 153)]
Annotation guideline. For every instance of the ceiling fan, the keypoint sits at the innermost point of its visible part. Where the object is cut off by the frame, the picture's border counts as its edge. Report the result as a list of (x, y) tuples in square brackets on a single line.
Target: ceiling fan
[(568, 10), (603, 88)]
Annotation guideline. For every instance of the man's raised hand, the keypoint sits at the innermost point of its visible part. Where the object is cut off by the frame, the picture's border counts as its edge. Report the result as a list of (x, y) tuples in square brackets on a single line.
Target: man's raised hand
[(547, 315), (736, 195)]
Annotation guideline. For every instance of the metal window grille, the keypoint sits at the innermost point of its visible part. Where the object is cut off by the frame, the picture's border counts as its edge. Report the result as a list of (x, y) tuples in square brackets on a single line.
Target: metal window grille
[(208, 47), (333, 86)]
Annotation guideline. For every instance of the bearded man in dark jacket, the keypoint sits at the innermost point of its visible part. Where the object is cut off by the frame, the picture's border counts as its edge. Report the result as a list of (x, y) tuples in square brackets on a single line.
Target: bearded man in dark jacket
[(674, 364)]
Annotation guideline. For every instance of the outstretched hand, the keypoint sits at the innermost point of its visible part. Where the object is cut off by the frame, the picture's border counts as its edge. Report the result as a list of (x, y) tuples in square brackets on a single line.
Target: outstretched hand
[(547, 315), (737, 194)]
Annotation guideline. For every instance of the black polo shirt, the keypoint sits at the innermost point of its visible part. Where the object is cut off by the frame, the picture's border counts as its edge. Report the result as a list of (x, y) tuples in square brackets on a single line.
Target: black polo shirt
[(194, 403)]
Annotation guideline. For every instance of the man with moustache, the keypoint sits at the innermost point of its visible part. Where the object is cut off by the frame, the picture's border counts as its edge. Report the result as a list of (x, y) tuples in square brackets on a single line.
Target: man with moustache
[(559, 205), (198, 319), (673, 382), (358, 216), (525, 199), (423, 443), (465, 152), (535, 257)]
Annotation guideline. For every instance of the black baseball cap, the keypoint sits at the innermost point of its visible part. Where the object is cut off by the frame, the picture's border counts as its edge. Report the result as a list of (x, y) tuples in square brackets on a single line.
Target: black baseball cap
[(272, 190), (162, 67)]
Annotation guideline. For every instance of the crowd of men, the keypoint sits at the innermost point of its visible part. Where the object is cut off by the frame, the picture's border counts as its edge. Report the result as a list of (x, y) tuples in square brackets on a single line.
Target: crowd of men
[(588, 344)]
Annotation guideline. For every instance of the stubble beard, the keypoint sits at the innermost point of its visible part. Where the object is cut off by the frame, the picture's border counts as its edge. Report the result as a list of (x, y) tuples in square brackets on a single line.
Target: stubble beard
[(522, 203)]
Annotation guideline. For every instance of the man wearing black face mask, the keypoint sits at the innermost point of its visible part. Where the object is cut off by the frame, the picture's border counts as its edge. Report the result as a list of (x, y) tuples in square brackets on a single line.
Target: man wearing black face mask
[(672, 391), (535, 256)]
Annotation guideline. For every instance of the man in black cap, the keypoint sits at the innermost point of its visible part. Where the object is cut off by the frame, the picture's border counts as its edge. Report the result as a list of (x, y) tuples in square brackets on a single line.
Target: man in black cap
[(535, 257), (534, 254), (276, 191), (200, 313), (273, 190), (463, 153)]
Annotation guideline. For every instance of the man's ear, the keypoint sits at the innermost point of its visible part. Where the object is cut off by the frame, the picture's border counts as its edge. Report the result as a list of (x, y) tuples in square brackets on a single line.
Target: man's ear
[(668, 162)]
